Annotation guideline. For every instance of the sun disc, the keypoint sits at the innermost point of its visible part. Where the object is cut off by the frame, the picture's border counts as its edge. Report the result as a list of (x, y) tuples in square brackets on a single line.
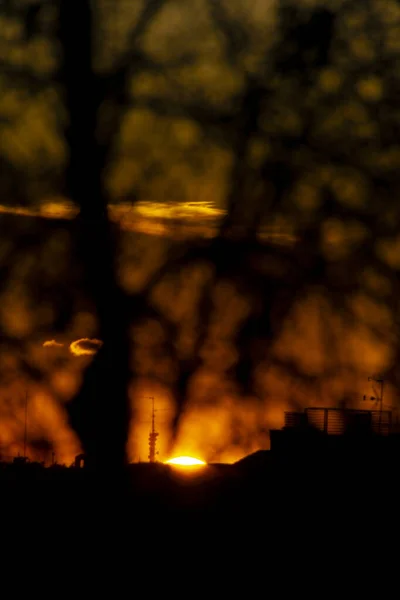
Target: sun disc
[(185, 461)]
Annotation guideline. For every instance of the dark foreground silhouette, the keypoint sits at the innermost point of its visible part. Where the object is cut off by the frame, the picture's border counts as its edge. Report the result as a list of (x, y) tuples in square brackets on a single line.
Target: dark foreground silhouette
[(314, 497), (278, 510)]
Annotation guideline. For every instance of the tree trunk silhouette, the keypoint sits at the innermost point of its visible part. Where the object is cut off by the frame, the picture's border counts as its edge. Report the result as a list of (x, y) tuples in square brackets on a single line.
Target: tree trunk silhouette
[(99, 413)]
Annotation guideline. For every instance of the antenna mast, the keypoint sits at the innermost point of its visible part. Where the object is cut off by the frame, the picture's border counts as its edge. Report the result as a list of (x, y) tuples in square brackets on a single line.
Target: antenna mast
[(153, 435), (378, 399), (26, 423)]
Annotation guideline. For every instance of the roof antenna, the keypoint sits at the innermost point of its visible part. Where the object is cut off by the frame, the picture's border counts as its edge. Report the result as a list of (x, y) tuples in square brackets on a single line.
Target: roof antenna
[(26, 424), (153, 436)]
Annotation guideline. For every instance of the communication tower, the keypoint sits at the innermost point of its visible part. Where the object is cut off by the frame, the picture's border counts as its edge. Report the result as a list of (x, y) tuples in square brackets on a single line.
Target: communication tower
[(153, 436)]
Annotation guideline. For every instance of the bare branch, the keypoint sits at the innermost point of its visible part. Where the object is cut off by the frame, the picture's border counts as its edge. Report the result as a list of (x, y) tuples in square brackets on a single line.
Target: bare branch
[(150, 9), (113, 88), (23, 75), (134, 56), (212, 122), (234, 35)]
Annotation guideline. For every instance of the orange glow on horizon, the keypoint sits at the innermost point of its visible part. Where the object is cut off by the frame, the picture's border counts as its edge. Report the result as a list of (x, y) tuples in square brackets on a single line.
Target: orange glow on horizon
[(185, 461)]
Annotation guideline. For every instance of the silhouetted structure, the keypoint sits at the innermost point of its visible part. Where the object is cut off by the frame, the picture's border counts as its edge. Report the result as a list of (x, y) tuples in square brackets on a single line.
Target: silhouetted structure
[(318, 434), (20, 460), (152, 437), (79, 461)]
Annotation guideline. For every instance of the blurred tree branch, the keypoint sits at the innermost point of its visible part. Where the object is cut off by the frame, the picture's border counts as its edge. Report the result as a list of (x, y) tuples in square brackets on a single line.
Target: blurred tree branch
[(280, 105)]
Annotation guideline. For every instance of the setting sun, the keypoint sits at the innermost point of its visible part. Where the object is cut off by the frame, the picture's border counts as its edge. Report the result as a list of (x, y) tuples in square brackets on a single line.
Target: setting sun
[(185, 461)]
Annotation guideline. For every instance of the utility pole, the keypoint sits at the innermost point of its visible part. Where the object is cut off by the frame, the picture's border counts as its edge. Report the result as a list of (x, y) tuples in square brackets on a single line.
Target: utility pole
[(26, 423), (153, 435)]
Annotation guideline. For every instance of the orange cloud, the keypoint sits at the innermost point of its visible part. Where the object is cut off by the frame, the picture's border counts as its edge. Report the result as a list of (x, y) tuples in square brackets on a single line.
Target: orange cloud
[(183, 219), (52, 344), (85, 347)]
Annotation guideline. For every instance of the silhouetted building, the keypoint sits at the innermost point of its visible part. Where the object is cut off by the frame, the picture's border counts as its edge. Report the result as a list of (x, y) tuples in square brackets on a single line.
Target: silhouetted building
[(330, 434), (79, 461)]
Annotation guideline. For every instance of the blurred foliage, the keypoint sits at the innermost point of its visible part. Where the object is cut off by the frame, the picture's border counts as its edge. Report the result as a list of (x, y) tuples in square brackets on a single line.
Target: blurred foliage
[(283, 114)]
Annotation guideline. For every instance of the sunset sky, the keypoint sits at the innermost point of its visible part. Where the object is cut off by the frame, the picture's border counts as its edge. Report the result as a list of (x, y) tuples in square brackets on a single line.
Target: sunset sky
[(313, 181)]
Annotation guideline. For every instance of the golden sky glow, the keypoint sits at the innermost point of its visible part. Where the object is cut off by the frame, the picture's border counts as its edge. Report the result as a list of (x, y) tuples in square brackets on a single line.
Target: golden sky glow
[(181, 219), (174, 153)]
